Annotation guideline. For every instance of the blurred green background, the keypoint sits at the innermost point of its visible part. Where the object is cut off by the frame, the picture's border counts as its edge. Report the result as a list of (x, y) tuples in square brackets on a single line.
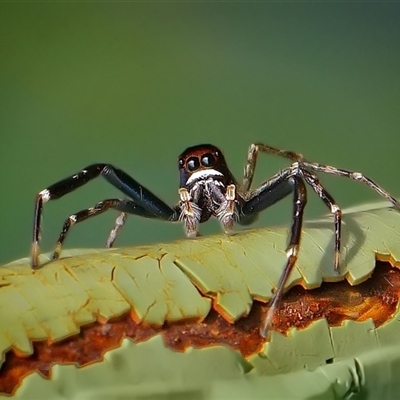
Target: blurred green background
[(134, 84)]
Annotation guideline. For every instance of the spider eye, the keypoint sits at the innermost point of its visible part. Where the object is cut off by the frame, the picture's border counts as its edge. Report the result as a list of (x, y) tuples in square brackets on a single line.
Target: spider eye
[(181, 162), (208, 160), (193, 163)]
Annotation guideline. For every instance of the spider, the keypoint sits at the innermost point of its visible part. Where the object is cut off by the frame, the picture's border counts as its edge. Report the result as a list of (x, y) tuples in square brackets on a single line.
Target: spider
[(208, 188)]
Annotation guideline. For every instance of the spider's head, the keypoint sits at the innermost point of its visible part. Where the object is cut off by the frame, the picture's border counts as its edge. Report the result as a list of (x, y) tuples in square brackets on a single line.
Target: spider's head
[(202, 162)]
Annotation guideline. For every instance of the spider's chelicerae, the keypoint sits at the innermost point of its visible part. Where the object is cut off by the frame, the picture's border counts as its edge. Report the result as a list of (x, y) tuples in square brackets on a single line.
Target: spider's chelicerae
[(208, 188)]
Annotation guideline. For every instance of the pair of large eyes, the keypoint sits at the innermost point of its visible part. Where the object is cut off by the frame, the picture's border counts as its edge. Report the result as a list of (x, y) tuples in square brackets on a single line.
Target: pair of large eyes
[(193, 163)]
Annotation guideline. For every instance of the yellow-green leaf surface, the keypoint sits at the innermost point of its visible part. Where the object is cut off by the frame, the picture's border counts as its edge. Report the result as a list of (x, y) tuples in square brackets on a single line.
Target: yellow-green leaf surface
[(183, 280)]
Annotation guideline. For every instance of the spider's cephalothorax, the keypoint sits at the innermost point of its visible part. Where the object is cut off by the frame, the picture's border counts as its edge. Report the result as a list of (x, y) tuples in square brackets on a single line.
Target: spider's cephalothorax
[(208, 188)]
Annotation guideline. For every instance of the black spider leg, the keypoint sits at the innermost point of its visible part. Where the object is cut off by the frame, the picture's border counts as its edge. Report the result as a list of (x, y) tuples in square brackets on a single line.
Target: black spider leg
[(284, 183), (314, 182), (125, 206), (310, 178), (355, 176), (271, 191), (297, 157), (143, 202), (251, 162), (268, 193)]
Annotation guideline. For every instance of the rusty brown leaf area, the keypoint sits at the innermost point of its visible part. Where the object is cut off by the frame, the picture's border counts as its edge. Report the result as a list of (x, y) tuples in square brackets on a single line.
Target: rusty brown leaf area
[(375, 298)]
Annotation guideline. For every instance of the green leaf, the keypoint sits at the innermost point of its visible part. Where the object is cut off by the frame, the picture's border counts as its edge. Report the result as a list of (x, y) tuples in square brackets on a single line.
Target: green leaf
[(168, 283)]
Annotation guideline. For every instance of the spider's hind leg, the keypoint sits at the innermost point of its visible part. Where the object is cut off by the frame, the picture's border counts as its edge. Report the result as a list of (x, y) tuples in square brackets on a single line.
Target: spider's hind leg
[(355, 176), (314, 182)]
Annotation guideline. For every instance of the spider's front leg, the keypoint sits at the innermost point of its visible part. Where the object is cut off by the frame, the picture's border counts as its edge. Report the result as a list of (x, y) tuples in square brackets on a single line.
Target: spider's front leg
[(142, 202), (271, 191), (299, 202)]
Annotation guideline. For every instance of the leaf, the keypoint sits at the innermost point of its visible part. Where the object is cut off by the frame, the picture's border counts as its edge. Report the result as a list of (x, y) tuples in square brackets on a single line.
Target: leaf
[(156, 286)]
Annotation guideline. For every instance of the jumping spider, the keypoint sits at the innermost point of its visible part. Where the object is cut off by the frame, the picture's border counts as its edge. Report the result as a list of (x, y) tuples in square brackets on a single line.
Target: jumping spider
[(208, 188)]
